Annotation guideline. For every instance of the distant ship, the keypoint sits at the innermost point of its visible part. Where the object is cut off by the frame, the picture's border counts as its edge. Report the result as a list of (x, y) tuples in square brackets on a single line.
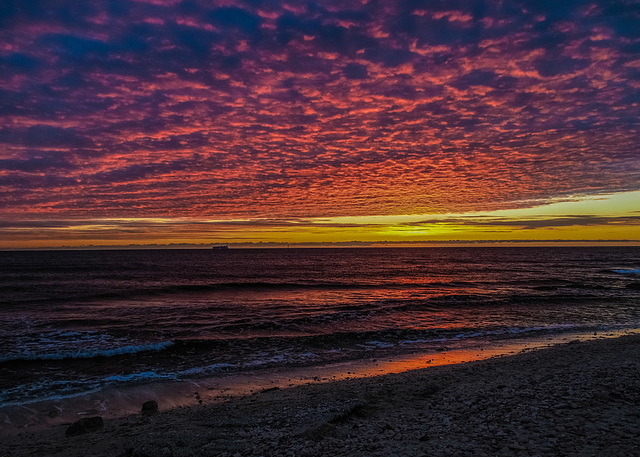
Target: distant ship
[(218, 248)]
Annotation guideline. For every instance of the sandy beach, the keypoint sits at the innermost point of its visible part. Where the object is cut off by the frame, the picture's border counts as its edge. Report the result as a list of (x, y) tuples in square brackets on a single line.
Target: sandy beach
[(574, 399)]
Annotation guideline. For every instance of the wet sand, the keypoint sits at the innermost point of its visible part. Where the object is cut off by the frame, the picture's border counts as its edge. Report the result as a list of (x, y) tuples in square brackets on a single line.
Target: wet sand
[(578, 398)]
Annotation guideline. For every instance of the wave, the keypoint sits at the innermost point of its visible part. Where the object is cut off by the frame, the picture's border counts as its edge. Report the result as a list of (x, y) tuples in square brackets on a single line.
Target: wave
[(506, 331), (44, 389), (635, 272), (351, 339), (88, 354), (138, 376), (237, 286), (60, 295), (115, 293)]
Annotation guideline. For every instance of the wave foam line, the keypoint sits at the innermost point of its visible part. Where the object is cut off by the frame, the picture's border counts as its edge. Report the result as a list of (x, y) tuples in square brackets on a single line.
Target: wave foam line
[(89, 354), (628, 272)]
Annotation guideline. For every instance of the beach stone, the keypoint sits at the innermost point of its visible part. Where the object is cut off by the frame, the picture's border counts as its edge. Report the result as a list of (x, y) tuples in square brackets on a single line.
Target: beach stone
[(86, 425), (149, 408)]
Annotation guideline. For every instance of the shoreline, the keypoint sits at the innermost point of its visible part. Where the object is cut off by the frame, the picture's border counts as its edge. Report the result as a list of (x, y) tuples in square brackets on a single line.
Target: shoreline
[(120, 401), (577, 398)]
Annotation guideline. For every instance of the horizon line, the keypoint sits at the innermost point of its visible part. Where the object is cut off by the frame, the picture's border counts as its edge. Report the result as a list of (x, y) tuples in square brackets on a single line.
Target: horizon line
[(329, 244)]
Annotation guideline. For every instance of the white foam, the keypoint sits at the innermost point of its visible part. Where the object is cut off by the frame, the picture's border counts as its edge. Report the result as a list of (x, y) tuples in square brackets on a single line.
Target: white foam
[(500, 331), (379, 344), (207, 369), (635, 271), (143, 375), (88, 354)]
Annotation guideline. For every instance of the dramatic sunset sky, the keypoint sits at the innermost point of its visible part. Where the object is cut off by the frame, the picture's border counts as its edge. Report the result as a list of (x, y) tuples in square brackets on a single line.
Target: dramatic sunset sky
[(233, 121)]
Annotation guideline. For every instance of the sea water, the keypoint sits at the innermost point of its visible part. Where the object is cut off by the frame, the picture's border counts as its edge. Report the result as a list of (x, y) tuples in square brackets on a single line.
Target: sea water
[(73, 322)]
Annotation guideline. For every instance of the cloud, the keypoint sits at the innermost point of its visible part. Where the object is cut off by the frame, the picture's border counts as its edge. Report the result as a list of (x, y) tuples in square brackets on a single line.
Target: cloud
[(290, 110), (528, 224)]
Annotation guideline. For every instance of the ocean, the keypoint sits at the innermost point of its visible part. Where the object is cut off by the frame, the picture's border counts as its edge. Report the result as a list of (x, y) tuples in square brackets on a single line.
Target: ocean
[(73, 322)]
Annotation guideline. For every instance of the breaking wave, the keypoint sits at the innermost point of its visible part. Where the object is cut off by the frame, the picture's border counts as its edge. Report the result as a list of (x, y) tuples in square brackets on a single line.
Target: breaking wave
[(88, 354)]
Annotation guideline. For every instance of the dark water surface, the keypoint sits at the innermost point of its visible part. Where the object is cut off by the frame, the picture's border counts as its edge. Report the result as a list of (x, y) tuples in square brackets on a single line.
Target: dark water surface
[(77, 321)]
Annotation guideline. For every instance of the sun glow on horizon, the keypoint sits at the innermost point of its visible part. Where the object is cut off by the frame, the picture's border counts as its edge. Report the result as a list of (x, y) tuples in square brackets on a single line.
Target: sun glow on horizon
[(618, 204), (598, 217)]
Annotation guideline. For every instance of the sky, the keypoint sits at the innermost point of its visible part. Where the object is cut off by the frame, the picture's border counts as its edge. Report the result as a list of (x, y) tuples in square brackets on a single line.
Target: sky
[(246, 121)]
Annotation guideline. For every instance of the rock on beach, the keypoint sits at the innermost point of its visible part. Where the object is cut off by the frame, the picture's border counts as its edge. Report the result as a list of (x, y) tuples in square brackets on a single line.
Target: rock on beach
[(85, 425), (149, 408)]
